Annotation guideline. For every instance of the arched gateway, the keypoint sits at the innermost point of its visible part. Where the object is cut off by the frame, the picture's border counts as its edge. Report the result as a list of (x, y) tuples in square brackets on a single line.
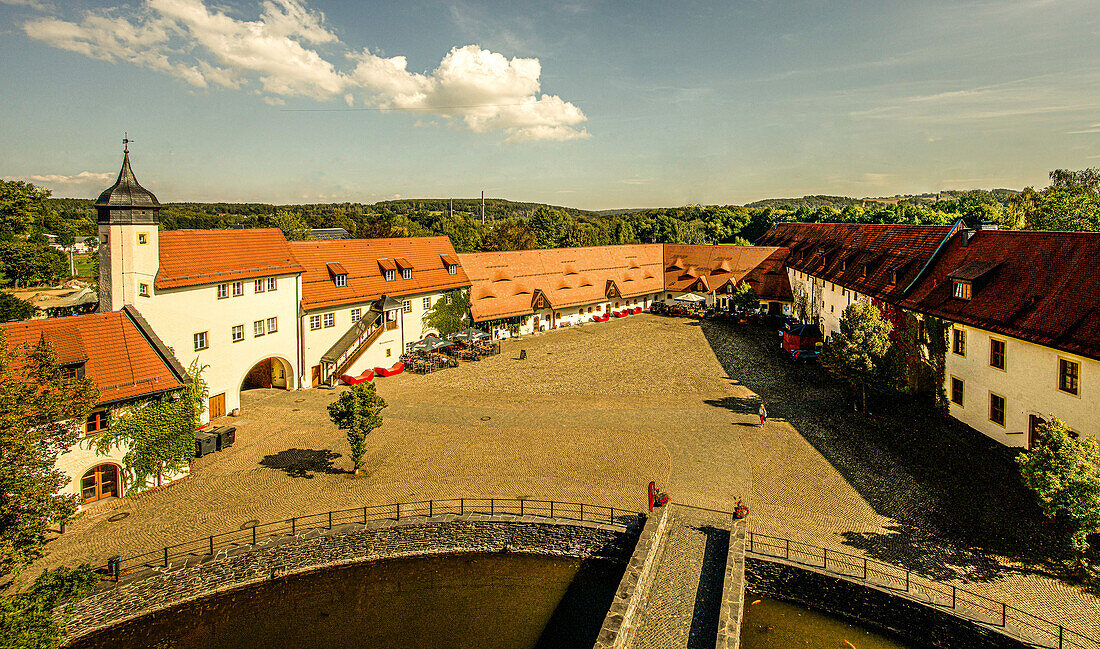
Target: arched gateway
[(271, 372)]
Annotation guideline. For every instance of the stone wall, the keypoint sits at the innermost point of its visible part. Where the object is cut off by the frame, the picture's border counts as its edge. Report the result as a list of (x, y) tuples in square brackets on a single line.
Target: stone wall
[(160, 588), (917, 624)]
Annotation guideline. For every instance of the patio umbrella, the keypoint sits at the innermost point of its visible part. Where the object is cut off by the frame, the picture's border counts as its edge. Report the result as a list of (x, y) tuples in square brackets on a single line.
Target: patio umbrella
[(469, 334), (429, 344), (691, 297)]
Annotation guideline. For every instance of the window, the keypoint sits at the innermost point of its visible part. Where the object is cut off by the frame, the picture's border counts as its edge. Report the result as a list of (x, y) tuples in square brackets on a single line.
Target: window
[(143, 290), (406, 306), (957, 387), (997, 353), (200, 341), (238, 333), (427, 303), (330, 320), (389, 352), (390, 275), (449, 301), (314, 322), (238, 289), (258, 328), (223, 291), (341, 280), (258, 286), (893, 277), (272, 325), (958, 344), (962, 290), (997, 409), (1069, 376), (272, 284), (142, 238), (452, 269), (355, 315), (97, 421), (406, 273)]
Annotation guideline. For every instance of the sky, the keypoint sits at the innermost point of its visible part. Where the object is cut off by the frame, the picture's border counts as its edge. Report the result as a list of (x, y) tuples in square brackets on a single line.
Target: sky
[(588, 104)]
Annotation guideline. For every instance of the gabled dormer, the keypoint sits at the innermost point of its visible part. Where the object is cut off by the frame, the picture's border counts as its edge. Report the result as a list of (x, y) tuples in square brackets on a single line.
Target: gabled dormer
[(450, 264), (539, 300), (611, 290), (337, 273), (405, 268), (967, 279), (389, 269)]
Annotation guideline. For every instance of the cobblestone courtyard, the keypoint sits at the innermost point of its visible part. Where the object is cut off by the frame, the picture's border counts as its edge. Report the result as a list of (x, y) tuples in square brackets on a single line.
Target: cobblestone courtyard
[(592, 415)]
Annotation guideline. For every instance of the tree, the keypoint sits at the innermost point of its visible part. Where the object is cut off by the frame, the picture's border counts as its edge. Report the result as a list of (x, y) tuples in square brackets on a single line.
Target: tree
[(22, 205), (358, 411), (12, 308), (860, 346), (508, 235), (450, 313), (38, 408), (549, 226), (1064, 472), (292, 224), (25, 263), (744, 297)]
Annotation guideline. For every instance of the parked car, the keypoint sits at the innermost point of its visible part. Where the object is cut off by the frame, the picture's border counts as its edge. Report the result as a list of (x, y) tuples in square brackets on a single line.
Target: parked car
[(804, 355)]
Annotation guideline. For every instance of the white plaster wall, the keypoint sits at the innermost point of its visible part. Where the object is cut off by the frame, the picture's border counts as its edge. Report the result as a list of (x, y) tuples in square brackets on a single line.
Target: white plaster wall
[(827, 298), (1029, 385), (82, 457), (176, 315), (124, 263)]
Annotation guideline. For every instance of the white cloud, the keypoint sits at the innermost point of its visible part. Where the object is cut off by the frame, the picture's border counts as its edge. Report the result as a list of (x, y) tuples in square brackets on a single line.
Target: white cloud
[(85, 179), (204, 46), (40, 5)]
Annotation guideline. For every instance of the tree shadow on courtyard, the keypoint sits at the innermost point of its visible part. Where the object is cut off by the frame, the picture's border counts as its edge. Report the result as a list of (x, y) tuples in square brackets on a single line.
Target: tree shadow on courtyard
[(303, 462), (953, 491)]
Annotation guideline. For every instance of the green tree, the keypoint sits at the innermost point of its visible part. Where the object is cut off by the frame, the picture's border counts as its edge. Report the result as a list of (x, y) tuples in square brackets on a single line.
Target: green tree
[(508, 235), (12, 308), (357, 411), (28, 619), (26, 264), (22, 205), (860, 346), (292, 224), (549, 226), (37, 407), (744, 297), (1064, 472), (450, 313)]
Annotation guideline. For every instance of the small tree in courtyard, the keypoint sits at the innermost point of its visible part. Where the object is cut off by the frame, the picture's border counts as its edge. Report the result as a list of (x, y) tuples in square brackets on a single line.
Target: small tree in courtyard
[(358, 411), (744, 297), (860, 346), (1064, 472)]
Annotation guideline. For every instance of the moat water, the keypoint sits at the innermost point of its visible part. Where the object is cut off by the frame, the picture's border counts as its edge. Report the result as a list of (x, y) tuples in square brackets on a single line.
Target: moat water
[(772, 624), (464, 601)]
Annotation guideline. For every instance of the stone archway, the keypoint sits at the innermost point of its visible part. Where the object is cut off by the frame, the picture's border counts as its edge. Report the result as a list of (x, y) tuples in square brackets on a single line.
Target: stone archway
[(271, 372)]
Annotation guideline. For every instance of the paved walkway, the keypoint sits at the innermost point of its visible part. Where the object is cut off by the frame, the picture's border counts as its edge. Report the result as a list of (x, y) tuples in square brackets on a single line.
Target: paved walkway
[(592, 415), (682, 605)]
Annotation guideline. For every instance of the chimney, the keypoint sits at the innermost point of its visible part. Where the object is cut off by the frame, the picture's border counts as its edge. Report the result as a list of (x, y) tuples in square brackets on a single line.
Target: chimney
[(988, 226), (965, 236)]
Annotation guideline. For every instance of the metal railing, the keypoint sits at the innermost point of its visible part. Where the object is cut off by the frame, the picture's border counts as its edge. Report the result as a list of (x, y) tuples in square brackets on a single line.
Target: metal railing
[(251, 535), (968, 605)]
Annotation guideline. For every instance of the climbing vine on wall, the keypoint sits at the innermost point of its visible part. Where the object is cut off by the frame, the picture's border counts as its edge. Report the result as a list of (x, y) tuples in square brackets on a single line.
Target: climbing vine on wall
[(159, 431), (936, 330)]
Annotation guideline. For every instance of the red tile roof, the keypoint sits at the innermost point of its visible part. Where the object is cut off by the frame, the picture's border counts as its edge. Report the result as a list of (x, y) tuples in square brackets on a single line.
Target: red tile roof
[(1043, 287), (364, 260), (710, 268), (195, 257), (122, 355), (874, 253), (504, 283)]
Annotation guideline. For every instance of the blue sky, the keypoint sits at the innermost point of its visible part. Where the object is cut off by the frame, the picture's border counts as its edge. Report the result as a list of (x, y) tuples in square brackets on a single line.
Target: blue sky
[(588, 104)]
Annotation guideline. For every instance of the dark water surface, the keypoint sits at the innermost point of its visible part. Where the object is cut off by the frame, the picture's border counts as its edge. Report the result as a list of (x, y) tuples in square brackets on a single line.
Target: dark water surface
[(771, 624), (465, 601)]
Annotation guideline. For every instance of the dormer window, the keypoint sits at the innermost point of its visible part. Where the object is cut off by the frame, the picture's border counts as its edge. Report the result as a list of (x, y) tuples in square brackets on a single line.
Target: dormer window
[(961, 290), (338, 273), (452, 269), (405, 266), (893, 277), (863, 270), (391, 275), (73, 371), (406, 273)]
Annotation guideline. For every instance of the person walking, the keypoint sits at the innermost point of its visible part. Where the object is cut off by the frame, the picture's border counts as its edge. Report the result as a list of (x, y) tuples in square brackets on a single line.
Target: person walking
[(763, 414)]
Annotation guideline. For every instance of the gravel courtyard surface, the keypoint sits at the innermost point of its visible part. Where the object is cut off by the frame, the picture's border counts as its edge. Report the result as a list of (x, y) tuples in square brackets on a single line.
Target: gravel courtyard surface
[(592, 415)]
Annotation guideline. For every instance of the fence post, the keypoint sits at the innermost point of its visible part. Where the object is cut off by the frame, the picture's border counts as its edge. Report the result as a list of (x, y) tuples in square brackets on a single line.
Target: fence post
[(431, 508), (293, 525), (253, 535), (952, 596), (461, 506), (211, 545), (865, 568), (582, 511), (612, 514), (787, 545), (1004, 614), (398, 506), (750, 541), (166, 557), (492, 506), (825, 559), (1060, 636), (329, 520), (907, 581), (364, 515), (551, 509)]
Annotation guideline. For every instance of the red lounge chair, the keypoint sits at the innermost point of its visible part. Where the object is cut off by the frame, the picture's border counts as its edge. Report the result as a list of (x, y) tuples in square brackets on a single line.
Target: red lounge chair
[(397, 368), (620, 314), (355, 380)]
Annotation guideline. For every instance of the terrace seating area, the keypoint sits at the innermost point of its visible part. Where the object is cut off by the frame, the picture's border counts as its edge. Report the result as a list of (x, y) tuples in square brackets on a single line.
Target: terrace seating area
[(432, 354)]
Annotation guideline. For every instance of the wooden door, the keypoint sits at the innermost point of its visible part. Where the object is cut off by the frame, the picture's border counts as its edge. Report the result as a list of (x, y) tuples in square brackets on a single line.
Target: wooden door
[(316, 375), (217, 405), (278, 374), (535, 321), (99, 483)]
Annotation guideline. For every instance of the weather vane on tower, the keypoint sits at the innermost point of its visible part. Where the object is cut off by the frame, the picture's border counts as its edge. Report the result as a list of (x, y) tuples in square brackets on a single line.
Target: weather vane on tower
[(126, 142)]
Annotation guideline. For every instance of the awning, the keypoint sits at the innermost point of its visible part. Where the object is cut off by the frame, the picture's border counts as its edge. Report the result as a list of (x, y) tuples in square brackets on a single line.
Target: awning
[(429, 344), (468, 334), (691, 297)]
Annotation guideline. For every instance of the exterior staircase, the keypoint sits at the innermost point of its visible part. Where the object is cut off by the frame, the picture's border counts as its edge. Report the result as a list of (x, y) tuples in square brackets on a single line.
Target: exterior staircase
[(356, 340)]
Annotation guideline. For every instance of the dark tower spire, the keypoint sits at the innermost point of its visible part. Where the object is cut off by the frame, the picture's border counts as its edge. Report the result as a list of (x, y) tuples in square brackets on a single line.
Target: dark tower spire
[(126, 201)]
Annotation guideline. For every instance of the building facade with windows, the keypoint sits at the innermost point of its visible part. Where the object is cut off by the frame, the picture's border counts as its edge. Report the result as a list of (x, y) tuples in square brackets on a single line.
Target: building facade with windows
[(1024, 338), (715, 272), (121, 354)]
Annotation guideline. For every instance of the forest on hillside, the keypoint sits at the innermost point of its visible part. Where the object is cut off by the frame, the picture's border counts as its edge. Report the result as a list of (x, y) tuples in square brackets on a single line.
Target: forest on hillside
[(1070, 202)]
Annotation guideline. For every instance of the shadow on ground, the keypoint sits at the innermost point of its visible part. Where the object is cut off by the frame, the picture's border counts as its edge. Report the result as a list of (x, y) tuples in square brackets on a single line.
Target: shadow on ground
[(708, 596), (926, 471), (303, 462)]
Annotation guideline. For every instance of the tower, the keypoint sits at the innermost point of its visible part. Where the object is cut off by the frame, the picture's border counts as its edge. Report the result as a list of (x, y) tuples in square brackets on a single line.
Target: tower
[(128, 216)]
